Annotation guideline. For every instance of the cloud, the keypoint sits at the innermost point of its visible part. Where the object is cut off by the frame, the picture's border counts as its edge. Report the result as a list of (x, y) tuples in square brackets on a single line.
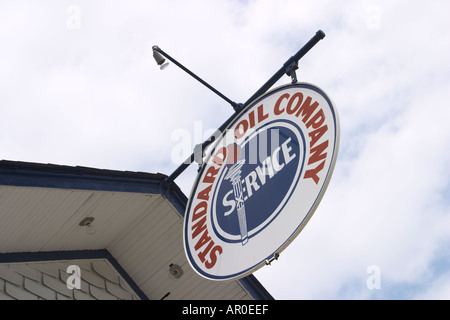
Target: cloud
[(384, 205), (88, 92)]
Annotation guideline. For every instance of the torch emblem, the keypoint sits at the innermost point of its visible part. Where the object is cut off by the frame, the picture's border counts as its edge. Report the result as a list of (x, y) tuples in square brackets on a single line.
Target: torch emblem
[(234, 175)]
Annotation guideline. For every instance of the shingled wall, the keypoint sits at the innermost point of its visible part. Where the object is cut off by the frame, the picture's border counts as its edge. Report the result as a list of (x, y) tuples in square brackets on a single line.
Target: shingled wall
[(48, 281)]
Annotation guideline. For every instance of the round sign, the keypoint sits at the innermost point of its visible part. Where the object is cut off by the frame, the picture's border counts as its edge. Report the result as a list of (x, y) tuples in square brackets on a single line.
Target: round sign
[(261, 182)]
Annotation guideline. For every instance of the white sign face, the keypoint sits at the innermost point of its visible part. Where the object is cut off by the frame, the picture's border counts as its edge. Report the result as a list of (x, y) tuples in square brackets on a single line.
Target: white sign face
[(261, 182)]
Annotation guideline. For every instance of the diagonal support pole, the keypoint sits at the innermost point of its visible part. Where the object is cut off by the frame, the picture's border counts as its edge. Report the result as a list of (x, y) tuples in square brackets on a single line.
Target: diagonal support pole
[(285, 69), (232, 103)]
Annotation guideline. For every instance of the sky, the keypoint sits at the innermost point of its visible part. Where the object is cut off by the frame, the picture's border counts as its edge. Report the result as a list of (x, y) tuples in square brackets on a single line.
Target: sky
[(79, 87)]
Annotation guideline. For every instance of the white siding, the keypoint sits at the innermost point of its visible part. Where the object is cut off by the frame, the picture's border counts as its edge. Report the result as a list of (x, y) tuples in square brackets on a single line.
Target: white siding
[(143, 232)]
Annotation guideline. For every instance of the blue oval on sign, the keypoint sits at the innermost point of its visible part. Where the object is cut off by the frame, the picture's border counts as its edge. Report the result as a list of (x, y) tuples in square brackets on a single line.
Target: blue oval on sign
[(253, 191)]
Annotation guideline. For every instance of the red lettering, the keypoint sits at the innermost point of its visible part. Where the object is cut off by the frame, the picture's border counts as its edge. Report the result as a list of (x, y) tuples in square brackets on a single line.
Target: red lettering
[(240, 133), (204, 194), (217, 250), (277, 111), (317, 153), (220, 156), (317, 134), (198, 227), (261, 115), (251, 117), (289, 108), (233, 153), (210, 175), (312, 173), (205, 240), (307, 109), (317, 120), (199, 210)]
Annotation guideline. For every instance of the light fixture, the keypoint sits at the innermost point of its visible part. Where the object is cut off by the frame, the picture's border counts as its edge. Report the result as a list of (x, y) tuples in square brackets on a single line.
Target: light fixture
[(87, 223), (175, 271), (160, 60)]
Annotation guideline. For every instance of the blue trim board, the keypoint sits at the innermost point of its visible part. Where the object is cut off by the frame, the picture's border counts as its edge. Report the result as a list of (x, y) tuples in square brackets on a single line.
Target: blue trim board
[(64, 177), (255, 288), (25, 174), (17, 257)]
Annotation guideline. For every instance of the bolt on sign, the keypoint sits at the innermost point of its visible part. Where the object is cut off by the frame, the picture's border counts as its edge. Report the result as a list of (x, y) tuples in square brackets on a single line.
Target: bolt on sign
[(261, 182)]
